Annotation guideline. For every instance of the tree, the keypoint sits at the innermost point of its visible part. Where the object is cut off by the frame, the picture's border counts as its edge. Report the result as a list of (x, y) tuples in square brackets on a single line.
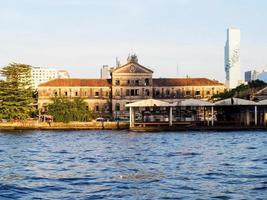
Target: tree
[(15, 92), (242, 91), (64, 110)]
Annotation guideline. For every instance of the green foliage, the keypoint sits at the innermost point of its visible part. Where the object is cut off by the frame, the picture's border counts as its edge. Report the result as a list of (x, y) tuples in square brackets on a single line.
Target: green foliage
[(65, 110), (15, 92), (242, 91)]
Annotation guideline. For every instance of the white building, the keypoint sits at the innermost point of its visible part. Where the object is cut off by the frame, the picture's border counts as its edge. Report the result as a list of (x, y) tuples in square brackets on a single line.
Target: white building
[(41, 75), (63, 74), (232, 58), (105, 72)]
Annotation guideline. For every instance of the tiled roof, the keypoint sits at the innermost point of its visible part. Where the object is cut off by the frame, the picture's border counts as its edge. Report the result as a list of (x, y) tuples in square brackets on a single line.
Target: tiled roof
[(158, 82), (70, 82)]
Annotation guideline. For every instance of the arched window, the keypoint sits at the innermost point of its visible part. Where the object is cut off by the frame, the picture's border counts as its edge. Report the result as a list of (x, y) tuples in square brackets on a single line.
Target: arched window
[(117, 92), (168, 92), (97, 108), (117, 82), (147, 92), (117, 107)]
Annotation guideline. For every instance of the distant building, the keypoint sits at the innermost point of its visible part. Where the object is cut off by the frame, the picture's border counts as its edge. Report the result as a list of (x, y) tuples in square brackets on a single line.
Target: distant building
[(105, 72), (63, 74), (251, 75), (232, 58), (263, 75), (128, 83), (41, 74)]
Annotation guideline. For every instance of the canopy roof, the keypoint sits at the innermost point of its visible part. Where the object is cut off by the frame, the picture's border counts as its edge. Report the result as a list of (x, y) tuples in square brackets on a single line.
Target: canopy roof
[(193, 102), (235, 102), (263, 102), (149, 103)]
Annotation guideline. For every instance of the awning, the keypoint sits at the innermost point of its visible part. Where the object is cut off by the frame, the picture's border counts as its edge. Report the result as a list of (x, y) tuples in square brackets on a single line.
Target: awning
[(263, 102), (235, 102), (193, 102), (149, 103)]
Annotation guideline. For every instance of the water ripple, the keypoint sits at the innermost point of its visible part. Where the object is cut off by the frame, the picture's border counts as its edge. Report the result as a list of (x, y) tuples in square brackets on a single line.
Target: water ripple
[(126, 165)]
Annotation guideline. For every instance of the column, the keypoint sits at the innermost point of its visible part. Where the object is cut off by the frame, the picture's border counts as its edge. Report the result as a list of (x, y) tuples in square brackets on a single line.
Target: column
[(256, 116), (170, 117), (212, 116), (247, 117), (131, 117)]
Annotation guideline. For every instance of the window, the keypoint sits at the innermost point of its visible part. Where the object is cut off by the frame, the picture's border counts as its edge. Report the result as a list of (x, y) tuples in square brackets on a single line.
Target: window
[(132, 92), (55, 93), (66, 93), (117, 107), (147, 92), (127, 92), (188, 93), (117, 82), (128, 82), (157, 93), (106, 106), (197, 93), (136, 82), (146, 81), (208, 92), (97, 108), (136, 92), (117, 92), (96, 94), (76, 94), (168, 92)]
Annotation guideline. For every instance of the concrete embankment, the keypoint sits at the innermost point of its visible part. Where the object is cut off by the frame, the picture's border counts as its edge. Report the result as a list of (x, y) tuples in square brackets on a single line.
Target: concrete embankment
[(34, 125)]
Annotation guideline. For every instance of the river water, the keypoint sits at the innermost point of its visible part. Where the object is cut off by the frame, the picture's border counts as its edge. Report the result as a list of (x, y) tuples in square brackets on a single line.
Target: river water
[(127, 165)]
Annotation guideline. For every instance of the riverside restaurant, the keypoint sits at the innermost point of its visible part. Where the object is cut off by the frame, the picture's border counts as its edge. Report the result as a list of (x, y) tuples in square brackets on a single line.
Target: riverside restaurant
[(232, 112)]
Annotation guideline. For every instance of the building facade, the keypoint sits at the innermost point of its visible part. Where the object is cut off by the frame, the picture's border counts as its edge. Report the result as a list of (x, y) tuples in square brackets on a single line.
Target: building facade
[(128, 83), (105, 72), (232, 58), (251, 75), (41, 75)]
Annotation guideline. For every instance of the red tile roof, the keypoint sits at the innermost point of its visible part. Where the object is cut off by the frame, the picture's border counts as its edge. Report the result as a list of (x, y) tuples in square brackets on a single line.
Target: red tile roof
[(71, 82), (158, 82)]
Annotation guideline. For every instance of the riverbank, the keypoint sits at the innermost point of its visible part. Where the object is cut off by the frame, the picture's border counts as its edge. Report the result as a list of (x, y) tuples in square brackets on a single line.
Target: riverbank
[(35, 125)]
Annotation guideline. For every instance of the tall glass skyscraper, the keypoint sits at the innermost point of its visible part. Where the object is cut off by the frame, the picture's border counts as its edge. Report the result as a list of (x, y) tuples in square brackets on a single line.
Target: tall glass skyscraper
[(232, 58)]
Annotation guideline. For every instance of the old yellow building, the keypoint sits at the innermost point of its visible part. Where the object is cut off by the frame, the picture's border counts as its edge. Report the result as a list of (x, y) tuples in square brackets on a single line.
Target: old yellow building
[(128, 83)]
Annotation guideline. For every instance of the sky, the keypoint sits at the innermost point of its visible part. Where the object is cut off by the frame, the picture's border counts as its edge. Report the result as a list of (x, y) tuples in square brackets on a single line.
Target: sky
[(175, 38)]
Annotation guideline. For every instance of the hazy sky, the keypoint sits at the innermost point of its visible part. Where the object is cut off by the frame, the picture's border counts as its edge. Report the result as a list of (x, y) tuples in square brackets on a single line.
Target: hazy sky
[(83, 35)]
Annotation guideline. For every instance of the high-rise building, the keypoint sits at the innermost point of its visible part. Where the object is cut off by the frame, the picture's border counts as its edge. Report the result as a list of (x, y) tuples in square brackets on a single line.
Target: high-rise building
[(232, 58), (41, 74), (251, 75)]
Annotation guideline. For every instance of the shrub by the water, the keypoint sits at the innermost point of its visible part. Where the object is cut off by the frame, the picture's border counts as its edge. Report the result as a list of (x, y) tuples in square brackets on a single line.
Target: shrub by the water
[(65, 110)]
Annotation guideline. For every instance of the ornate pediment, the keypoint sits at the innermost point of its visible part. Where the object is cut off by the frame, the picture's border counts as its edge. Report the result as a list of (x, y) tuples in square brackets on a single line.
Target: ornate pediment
[(132, 67)]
